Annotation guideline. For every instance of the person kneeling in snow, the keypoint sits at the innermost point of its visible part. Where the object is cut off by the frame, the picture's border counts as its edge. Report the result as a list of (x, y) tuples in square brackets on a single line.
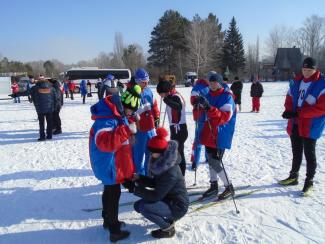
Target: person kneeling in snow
[(110, 152), (168, 200)]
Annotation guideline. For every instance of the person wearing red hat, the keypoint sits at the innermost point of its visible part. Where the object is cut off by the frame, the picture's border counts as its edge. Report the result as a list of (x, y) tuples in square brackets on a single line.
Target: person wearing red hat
[(167, 201)]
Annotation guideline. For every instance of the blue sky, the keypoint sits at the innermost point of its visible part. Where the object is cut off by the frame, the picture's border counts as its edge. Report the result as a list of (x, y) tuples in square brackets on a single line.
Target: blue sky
[(73, 30)]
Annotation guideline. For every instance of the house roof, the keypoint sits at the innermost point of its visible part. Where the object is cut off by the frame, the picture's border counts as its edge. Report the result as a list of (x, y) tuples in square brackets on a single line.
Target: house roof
[(288, 58)]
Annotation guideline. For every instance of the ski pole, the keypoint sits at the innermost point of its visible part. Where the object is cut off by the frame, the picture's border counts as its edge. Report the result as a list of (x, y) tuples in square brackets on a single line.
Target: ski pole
[(232, 194), (164, 116), (195, 176), (160, 108)]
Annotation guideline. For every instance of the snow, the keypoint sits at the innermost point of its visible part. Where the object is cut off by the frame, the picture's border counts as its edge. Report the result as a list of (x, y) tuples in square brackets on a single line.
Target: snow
[(44, 185)]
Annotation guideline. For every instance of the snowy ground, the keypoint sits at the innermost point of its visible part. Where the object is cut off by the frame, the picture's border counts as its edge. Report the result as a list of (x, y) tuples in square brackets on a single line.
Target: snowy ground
[(44, 185)]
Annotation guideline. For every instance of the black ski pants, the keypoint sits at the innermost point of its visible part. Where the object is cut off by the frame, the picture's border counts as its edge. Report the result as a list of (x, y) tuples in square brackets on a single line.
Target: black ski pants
[(56, 120), (49, 124), (110, 200), (179, 133), (299, 146)]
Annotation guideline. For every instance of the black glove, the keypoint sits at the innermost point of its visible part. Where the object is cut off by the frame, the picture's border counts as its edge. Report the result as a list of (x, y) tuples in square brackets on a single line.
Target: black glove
[(129, 184), (203, 102), (289, 115)]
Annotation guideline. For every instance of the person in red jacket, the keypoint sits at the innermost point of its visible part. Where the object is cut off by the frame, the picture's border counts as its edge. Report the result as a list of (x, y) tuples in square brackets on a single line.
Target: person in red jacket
[(71, 86), (15, 92), (305, 111)]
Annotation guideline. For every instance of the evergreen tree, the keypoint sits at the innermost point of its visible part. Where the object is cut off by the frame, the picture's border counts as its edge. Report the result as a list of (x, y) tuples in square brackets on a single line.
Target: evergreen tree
[(233, 54), (168, 43)]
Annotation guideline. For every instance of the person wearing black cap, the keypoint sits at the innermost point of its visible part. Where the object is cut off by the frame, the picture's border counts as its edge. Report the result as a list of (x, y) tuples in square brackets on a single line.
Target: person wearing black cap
[(237, 88), (256, 94), (167, 201), (305, 111), (175, 109)]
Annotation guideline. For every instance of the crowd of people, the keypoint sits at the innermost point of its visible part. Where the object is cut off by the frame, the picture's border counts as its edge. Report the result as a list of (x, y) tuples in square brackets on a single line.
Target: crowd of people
[(128, 142)]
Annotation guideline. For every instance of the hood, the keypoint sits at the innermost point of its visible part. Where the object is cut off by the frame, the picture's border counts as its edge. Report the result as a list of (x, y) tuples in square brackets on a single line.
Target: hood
[(167, 160), (104, 108)]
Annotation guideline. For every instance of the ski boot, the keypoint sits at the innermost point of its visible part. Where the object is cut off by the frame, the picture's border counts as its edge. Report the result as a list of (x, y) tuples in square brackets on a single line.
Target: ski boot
[(308, 186), (229, 190), (292, 180), (213, 190), (105, 222)]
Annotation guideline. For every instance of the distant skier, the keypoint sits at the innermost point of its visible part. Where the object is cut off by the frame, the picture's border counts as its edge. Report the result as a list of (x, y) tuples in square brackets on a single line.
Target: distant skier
[(83, 90), (217, 132), (256, 94), (237, 88), (15, 92), (167, 200), (175, 109), (305, 111), (110, 152)]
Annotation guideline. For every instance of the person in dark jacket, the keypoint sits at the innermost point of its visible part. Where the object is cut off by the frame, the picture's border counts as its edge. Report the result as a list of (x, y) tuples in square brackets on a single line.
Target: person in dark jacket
[(175, 109), (99, 86), (256, 94), (237, 88), (43, 96), (58, 105), (167, 201)]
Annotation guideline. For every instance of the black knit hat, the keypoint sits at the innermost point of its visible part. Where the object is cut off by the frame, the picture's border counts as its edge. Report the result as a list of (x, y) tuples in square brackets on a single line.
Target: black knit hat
[(164, 87), (309, 63)]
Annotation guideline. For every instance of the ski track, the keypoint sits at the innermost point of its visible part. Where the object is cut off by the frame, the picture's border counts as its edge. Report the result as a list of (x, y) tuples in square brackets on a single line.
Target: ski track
[(44, 185)]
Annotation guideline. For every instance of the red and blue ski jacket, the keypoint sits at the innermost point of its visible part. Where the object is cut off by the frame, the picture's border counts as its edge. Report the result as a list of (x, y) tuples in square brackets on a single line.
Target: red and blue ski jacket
[(201, 88), (109, 148), (219, 127), (311, 114)]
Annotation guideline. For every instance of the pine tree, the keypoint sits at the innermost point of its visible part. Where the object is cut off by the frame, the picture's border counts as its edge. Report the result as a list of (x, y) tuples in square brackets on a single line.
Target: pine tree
[(233, 54), (168, 42)]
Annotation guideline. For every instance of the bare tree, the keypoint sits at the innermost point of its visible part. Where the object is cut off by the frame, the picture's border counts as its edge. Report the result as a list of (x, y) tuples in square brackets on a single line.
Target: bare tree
[(204, 40), (312, 35), (279, 36), (118, 50)]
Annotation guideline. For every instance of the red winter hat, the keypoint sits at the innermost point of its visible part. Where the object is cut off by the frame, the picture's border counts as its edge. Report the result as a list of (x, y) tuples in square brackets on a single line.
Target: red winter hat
[(158, 143)]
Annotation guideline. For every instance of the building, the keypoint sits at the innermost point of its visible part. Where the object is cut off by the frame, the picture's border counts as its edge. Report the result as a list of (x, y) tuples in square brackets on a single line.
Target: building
[(287, 63)]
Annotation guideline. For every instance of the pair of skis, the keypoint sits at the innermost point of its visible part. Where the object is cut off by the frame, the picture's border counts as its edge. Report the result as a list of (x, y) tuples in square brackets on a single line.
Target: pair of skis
[(191, 194)]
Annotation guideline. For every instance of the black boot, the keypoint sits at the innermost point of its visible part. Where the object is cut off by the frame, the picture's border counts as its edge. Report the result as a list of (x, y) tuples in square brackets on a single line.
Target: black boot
[(122, 224), (229, 190), (164, 233), (308, 186), (56, 132), (116, 233), (213, 190), (290, 181)]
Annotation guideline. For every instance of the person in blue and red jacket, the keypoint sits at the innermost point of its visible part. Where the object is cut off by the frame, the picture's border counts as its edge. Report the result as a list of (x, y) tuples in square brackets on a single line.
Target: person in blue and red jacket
[(217, 132), (148, 116), (200, 88), (111, 153), (305, 111)]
